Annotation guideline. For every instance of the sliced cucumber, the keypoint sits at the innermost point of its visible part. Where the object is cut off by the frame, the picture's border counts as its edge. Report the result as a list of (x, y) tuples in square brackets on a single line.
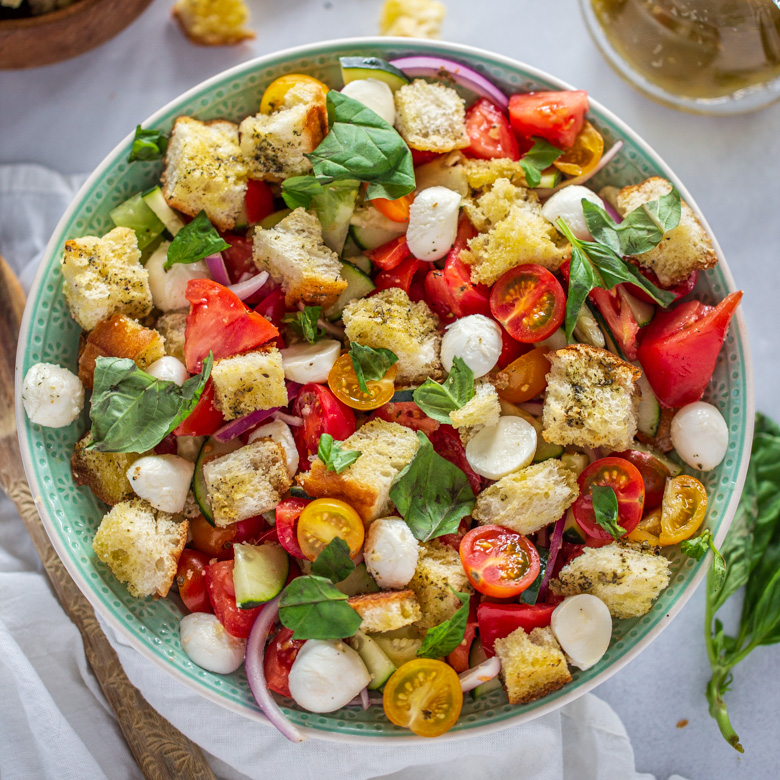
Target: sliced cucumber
[(358, 286), (135, 214), (370, 228), (610, 342), (587, 329), (273, 219), (358, 582), (354, 68), (400, 645), (477, 656), (156, 202), (259, 573), (575, 461), (379, 666), (571, 529), (649, 415), (675, 469), (550, 178), (351, 250), (545, 450), (334, 207), (643, 312), (211, 449)]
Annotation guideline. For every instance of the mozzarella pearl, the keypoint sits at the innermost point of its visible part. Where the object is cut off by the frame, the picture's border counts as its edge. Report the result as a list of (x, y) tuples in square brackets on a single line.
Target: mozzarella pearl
[(170, 369), (391, 552), (498, 450), (567, 204), (168, 287), (52, 395), (306, 362), (433, 223), (373, 94), (162, 480), (279, 432), (208, 645), (326, 675), (700, 435), (583, 627), (476, 339)]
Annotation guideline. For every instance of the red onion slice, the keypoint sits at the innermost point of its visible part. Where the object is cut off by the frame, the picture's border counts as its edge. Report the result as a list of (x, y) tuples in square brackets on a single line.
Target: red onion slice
[(218, 269), (364, 700), (477, 675), (462, 74), (293, 388), (291, 420), (250, 286), (613, 212), (235, 428), (555, 547)]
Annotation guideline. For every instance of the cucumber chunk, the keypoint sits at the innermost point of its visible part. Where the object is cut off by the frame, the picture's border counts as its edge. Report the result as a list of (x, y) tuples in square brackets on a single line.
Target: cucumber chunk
[(334, 207), (135, 214), (370, 228), (550, 178), (156, 202), (649, 415), (354, 68), (211, 449), (379, 666), (273, 219), (358, 286), (259, 573), (477, 656), (358, 582), (400, 645), (571, 529)]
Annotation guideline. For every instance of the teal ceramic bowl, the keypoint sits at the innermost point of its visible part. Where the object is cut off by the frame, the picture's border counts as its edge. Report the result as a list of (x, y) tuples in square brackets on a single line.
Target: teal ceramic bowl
[(71, 514)]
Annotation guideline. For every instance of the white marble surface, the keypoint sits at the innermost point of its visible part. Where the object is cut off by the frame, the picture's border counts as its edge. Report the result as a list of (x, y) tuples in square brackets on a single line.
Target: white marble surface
[(69, 116)]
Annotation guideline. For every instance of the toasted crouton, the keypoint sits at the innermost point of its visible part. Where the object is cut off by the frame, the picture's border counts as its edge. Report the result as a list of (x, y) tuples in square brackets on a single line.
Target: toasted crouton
[(295, 255), (213, 22), (592, 398), (246, 482), (431, 117), (438, 570), (103, 276), (204, 171), (528, 499), (412, 18), (172, 327), (481, 174), (683, 250), (483, 409), (532, 665), (627, 578), (386, 610), (385, 449), (141, 546), (390, 320), (274, 144), (245, 383)]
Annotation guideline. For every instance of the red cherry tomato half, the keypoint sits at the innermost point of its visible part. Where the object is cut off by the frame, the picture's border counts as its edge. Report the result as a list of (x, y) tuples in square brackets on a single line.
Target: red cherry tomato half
[(400, 276), (389, 255), (624, 478), (555, 116), (447, 443), (322, 413), (191, 579), (287, 514), (496, 621), (489, 132), (458, 659), (511, 349), (620, 318), (654, 475), (259, 201), (408, 414), (279, 657), (205, 418), (222, 593), (421, 156)]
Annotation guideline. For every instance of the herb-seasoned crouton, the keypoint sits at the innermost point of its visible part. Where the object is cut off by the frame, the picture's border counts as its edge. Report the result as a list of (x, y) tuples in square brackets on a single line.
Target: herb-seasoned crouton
[(483, 409), (213, 22), (431, 117), (528, 499), (204, 171), (274, 144), (683, 250), (103, 276), (385, 449), (386, 610), (591, 399), (481, 174), (141, 546), (389, 319), (532, 665), (172, 327), (412, 18), (295, 255), (245, 383), (626, 578), (246, 482)]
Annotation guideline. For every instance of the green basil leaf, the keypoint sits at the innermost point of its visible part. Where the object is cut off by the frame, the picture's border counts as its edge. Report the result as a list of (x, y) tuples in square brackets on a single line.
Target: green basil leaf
[(697, 547), (334, 562), (582, 279), (438, 400), (441, 640), (431, 493), (195, 241), (531, 593), (313, 608), (370, 364), (298, 191), (304, 323), (132, 411), (605, 510), (540, 156), (331, 454), (148, 145)]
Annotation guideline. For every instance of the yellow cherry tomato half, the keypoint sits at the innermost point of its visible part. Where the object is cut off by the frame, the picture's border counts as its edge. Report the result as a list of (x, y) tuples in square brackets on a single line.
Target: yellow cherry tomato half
[(323, 520), (423, 695), (343, 381), (277, 90), (585, 155), (682, 510), (527, 376), (648, 529)]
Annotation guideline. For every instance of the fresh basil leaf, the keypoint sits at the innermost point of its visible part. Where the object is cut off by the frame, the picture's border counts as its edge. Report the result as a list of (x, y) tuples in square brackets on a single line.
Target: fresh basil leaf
[(361, 145), (313, 608), (438, 400), (441, 640), (431, 493), (304, 323), (540, 156), (582, 279), (698, 547), (370, 364), (298, 191), (148, 145), (605, 510), (195, 241), (531, 593), (334, 562), (331, 454), (133, 411)]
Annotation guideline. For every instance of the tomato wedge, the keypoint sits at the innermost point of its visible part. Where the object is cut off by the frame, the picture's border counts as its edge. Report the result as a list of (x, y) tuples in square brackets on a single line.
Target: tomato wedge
[(280, 654), (620, 318), (259, 201), (496, 621), (489, 132), (222, 593), (191, 580), (555, 116), (408, 414), (458, 659), (389, 255), (584, 155), (205, 418), (321, 412), (400, 276)]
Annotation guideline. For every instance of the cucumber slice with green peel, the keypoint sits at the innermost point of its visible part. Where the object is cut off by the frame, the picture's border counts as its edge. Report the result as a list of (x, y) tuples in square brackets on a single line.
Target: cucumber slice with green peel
[(334, 207), (358, 582), (354, 68), (477, 656), (649, 414), (379, 666), (545, 450), (550, 179), (259, 573), (211, 449), (610, 342), (273, 219), (135, 214), (643, 312), (358, 286), (572, 531), (156, 202), (675, 469), (576, 461), (400, 645), (370, 228)]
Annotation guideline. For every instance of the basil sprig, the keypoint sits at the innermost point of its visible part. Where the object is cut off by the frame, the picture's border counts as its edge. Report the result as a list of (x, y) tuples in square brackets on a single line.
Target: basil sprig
[(441, 640), (148, 145), (331, 454), (304, 323), (540, 156), (334, 562), (195, 241), (370, 364), (438, 400), (133, 411), (298, 191), (313, 608), (605, 510), (698, 547), (432, 494)]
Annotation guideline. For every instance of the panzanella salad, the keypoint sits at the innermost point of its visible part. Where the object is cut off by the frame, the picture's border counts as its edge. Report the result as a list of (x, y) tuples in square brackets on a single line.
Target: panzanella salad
[(389, 394)]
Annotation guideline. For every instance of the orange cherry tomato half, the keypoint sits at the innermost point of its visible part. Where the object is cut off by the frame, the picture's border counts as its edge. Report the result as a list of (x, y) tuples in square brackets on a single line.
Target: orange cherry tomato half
[(499, 562), (585, 155), (682, 510), (395, 210), (323, 520), (343, 381), (277, 90), (529, 302), (648, 529), (527, 376), (423, 695)]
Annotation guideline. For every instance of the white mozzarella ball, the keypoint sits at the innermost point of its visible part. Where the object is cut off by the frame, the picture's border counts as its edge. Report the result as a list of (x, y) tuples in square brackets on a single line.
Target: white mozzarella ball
[(567, 203), (279, 432), (433, 223), (52, 395), (168, 287), (373, 94), (170, 369), (391, 552), (326, 675), (583, 627), (306, 362), (162, 480), (700, 435), (476, 339), (498, 450), (208, 645)]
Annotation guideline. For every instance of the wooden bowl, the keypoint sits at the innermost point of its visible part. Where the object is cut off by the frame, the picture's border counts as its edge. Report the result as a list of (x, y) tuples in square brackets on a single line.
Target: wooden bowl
[(60, 35)]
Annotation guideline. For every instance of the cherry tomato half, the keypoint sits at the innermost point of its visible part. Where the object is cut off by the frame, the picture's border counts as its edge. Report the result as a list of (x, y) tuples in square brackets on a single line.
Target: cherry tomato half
[(499, 620), (527, 376), (343, 381), (205, 418), (191, 579), (585, 155), (648, 529), (323, 520), (395, 210), (280, 654), (321, 412), (683, 509), (277, 90), (218, 542), (489, 132), (389, 255), (408, 414), (654, 475), (287, 513)]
